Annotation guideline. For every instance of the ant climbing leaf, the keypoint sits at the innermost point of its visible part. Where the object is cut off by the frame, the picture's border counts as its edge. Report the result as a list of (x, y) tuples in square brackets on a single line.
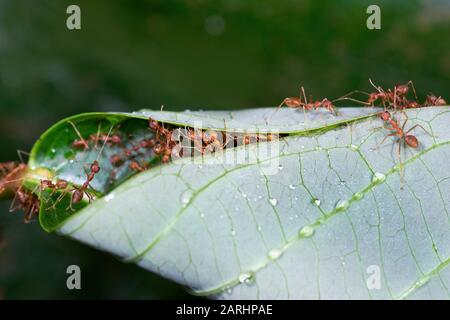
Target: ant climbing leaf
[(337, 206)]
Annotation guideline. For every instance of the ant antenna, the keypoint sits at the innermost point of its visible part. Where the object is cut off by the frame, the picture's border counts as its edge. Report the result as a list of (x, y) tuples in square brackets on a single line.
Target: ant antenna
[(20, 153), (104, 143)]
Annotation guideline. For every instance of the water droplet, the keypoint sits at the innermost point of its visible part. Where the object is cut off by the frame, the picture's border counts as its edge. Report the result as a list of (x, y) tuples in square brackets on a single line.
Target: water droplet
[(273, 201), (200, 166), (292, 187), (246, 277), (291, 218), (236, 209), (186, 197), (358, 196), (71, 161), (229, 290), (259, 228), (244, 195), (53, 150), (295, 198), (233, 232), (342, 182), (318, 148), (275, 254), (280, 167), (109, 197), (316, 202), (378, 177), (259, 197), (221, 216), (306, 231), (202, 215), (354, 147), (342, 205)]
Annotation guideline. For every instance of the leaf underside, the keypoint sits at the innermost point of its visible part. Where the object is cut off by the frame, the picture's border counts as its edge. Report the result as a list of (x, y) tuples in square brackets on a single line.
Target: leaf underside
[(326, 215)]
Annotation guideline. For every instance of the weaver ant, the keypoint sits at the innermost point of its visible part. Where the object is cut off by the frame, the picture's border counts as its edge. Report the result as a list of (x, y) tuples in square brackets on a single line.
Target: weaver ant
[(396, 98), (432, 100), (26, 201), (399, 131), (11, 177), (297, 103)]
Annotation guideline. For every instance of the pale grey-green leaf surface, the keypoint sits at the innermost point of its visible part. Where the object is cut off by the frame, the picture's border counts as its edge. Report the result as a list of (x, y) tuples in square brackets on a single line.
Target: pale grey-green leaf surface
[(336, 216)]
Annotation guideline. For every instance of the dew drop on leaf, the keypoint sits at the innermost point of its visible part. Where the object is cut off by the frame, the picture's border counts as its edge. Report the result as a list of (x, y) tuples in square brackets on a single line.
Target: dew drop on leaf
[(186, 197), (306, 231), (378, 177), (316, 202), (246, 277), (292, 187), (274, 254), (273, 201), (342, 205)]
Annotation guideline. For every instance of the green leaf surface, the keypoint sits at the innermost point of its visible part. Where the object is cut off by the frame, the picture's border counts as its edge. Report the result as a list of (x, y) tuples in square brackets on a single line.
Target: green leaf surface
[(319, 216)]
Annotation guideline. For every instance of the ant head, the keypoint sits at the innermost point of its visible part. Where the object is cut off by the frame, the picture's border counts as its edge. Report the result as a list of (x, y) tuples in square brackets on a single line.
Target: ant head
[(385, 115), (153, 124), (115, 139), (402, 89), (95, 167), (411, 141)]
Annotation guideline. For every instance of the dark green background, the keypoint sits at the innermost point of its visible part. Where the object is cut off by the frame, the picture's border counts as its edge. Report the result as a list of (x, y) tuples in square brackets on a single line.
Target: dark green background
[(196, 54)]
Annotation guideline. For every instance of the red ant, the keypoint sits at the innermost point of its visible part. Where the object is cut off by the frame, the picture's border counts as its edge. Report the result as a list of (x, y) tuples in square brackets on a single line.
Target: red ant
[(408, 139), (432, 100), (79, 192), (112, 140), (28, 202), (11, 175), (396, 99), (296, 102)]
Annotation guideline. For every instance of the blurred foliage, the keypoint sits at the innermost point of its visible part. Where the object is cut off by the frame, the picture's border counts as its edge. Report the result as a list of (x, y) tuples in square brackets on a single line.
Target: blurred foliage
[(196, 54)]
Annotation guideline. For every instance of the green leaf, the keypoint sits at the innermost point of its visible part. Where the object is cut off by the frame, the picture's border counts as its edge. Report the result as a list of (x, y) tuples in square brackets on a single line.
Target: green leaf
[(326, 213)]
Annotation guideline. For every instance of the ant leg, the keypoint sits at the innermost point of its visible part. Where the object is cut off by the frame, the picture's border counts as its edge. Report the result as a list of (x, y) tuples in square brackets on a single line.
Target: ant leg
[(384, 140), (414, 89), (401, 165), (304, 94), (78, 133), (352, 99), (104, 143), (97, 136), (278, 108), (414, 126), (20, 153), (418, 126)]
